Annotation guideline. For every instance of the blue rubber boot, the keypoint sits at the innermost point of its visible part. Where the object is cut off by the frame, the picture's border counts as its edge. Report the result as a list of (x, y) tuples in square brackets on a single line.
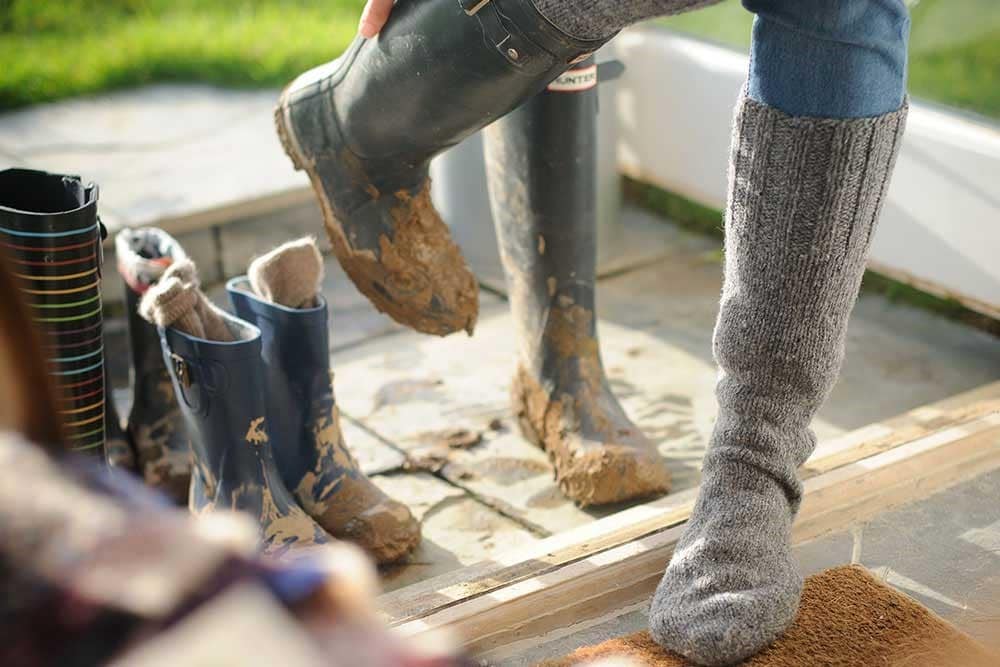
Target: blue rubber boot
[(314, 461), (220, 388)]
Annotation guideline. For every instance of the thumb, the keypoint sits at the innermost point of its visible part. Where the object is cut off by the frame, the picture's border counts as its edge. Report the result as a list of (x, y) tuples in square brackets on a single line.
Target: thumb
[(374, 16)]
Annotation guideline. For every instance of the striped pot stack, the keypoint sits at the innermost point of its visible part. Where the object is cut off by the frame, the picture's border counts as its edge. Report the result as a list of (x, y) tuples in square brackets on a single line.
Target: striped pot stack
[(51, 236)]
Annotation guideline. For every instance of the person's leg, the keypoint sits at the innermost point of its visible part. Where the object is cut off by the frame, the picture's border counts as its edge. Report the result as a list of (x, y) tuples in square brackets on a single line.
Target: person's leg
[(829, 58), (804, 196), (599, 19)]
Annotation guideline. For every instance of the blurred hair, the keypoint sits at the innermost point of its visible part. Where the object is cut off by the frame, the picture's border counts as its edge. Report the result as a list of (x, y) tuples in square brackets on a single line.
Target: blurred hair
[(27, 397)]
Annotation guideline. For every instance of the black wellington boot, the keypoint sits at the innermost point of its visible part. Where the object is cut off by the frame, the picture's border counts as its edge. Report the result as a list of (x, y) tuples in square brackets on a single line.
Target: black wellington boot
[(365, 126), (314, 461), (220, 387), (50, 232), (155, 423), (541, 166)]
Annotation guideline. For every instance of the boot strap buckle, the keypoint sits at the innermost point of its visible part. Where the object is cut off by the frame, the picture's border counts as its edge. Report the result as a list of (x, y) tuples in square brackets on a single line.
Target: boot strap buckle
[(181, 370), (513, 46)]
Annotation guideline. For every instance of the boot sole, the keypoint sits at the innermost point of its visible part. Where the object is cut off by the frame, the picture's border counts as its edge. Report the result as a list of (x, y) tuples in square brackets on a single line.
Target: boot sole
[(358, 264), (288, 142)]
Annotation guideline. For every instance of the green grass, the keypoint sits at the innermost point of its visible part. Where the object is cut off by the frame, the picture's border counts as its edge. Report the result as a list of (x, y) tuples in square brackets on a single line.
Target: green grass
[(51, 50), (707, 221), (954, 47)]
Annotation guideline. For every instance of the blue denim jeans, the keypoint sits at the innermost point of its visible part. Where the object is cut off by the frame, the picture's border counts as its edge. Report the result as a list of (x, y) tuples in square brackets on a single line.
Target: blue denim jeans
[(829, 58)]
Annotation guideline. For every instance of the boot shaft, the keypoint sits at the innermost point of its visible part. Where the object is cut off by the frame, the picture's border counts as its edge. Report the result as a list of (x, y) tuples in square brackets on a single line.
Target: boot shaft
[(51, 233), (220, 390), (295, 351), (148, 369), (494, 58), (143, 255), (542, 170)]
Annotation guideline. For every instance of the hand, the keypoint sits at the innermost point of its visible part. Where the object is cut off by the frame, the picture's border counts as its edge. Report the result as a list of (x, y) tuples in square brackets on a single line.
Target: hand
[(374, 16)]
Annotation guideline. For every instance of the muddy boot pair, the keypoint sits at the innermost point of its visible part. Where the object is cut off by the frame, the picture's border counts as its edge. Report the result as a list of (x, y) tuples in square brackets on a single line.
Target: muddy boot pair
[(364, 128), (256, 395)]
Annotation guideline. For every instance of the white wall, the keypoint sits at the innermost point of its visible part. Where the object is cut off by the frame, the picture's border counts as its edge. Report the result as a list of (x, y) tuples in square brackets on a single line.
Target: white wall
[(940, 228)]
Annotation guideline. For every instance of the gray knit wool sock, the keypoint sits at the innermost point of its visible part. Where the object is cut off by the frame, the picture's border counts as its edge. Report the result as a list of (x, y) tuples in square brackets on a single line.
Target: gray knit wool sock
[(599, 19), (804, 196), (290, 275)]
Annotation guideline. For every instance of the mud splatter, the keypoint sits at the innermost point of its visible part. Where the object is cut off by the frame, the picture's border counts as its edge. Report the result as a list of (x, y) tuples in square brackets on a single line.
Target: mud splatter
[(256, 435), (453, 438), (405, 391), (347, 504), (419, 277), (509, 470), (432, 462), (568, 330), (164, 455), (286, 530), (599, 456), (546, 499)]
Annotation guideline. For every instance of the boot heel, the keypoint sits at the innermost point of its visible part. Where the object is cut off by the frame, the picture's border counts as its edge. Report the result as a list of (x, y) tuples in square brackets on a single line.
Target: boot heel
[(285, 137)]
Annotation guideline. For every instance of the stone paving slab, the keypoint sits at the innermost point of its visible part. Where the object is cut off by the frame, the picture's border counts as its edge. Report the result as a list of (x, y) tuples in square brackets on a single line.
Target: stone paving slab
[(457, 530), (898, 357), (421, 394), (158, 152)]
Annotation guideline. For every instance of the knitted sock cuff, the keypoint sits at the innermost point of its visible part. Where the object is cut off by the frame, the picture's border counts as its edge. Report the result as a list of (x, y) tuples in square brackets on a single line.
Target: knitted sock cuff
[(817, 184), (169, 301), (177, 301), (290, 275)]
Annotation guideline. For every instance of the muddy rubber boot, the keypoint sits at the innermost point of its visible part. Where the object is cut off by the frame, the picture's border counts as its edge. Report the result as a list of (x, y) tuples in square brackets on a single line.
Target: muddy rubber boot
[(365, 126), (221, 391), (541, 165), (314, 461), (50, 233), (155, 423)]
